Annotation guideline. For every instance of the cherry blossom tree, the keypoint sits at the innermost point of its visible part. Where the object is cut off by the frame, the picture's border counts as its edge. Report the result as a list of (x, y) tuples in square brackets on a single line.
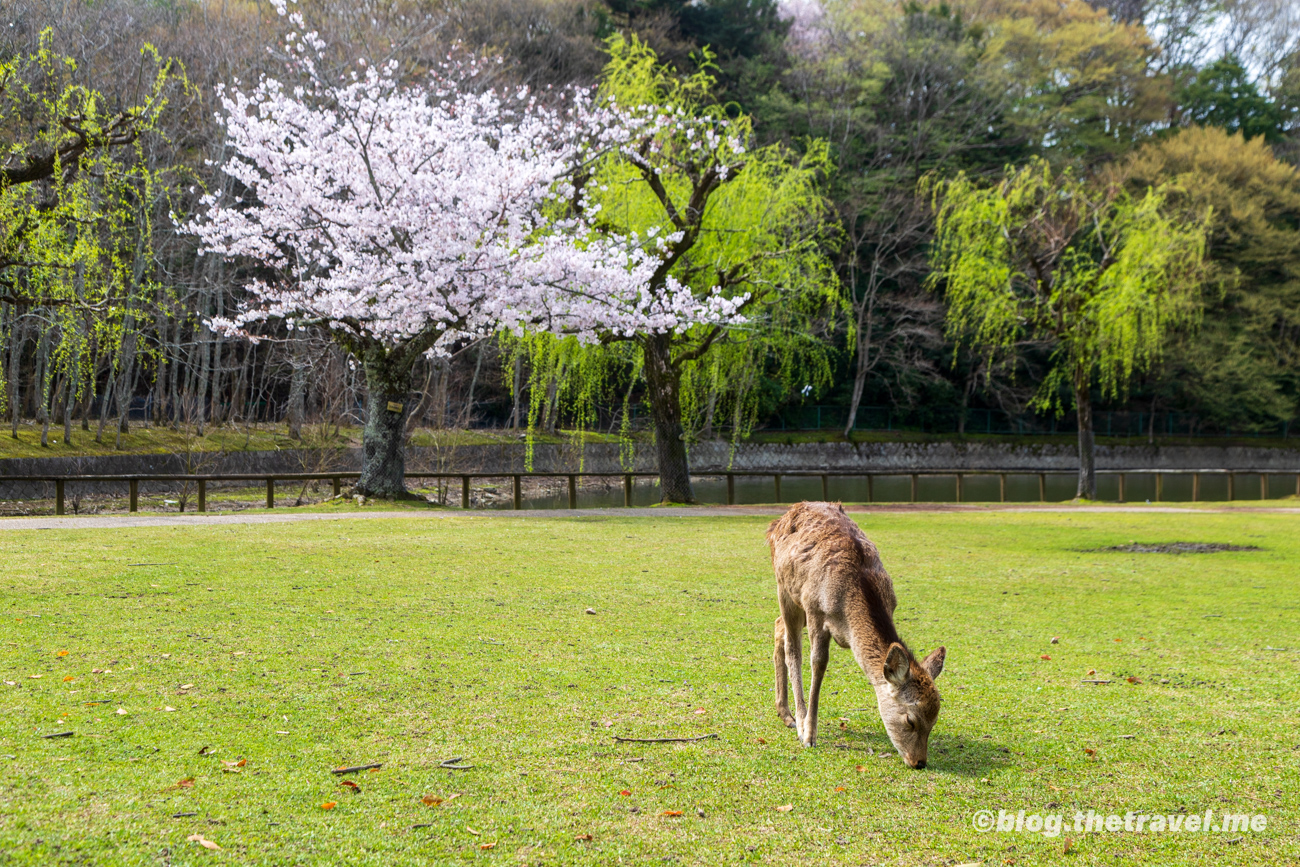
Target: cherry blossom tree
[(405, 219)]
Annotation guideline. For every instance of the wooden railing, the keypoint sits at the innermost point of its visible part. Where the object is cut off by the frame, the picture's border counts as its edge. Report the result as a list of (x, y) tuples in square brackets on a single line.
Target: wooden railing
[(958, 475)]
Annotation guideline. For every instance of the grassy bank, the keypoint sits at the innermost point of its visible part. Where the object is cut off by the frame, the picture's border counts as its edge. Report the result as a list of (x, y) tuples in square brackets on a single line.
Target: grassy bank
[(213, 676)]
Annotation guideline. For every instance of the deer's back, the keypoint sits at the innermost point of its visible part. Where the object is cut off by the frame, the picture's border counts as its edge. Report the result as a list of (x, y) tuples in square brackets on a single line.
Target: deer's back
[(821, 557)]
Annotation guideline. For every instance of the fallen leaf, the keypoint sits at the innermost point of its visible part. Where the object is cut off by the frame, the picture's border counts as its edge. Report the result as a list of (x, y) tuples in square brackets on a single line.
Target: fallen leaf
[(329, 805), (698, 710), (840, 789), (69, 679), (121, 711), (671, 813), (1092, 671), (431, 800), (187, 686), (168, 707), (591, 610), (861, 769), (97, 671), (760, 740), (1055, 639), (487, 845), (206, 844), (35, 676), (372, 770), (348, 784), (203, 751), (583, 837), (1045, 656), (1133, 680), (472, 831), (61, 653), (1069, 841), (187, 783), (625, 793), (844, 725), (785, 808), (1118, 640), (238, 764), (1090, 751)]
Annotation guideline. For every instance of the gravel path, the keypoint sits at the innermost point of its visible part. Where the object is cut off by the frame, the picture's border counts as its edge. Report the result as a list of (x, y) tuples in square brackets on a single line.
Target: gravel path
[(193, 519)]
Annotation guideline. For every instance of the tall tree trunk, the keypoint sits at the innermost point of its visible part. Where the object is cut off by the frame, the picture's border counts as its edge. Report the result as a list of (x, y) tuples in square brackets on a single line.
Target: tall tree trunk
[(664, 385), (69, 405), (1087, 466), (468, 415), (383, 447), (297, 409)]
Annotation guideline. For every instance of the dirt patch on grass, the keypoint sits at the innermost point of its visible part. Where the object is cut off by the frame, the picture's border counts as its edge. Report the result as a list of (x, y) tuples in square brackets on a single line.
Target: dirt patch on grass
[(1178, 548)]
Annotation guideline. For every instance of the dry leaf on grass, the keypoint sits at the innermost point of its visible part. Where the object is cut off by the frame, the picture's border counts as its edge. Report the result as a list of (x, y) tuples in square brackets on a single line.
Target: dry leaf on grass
[(348, 784), (121, 711), (671, 813), (1045, 656), (35, 676), (625, 793), (487, 845), (840, 789), (237, 764), (584, 837), (1090, 751), (430, 800), (472, 831), (206, 844), (785, 808), (760, 740), (69, 679), (1069, 841), (61, 653), (1092, 671), (1133, 680), (861, 769), (187, 783), (329, 805)]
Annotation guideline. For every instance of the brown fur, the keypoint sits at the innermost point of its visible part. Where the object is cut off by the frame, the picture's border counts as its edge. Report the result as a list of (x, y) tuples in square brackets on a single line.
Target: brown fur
[(830, 580)]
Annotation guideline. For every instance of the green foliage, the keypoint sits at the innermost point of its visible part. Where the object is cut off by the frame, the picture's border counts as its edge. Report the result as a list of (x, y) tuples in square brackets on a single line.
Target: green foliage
[(746, 221), (1223, 95), (1098, 273), (79, 205), (1242, 367)]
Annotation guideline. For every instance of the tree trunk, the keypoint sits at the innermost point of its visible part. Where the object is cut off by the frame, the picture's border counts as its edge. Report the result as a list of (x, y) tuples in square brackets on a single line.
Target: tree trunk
[(297, 409), (516, 389), (664, 383), (383, 447), (1087, 467)]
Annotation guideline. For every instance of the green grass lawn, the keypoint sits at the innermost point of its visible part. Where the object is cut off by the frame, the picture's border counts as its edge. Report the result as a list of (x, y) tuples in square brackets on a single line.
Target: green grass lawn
[(215, 675)]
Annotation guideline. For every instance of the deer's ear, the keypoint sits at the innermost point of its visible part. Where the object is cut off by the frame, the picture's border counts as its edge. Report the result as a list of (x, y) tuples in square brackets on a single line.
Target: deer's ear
[(897, 669), (934, 662)]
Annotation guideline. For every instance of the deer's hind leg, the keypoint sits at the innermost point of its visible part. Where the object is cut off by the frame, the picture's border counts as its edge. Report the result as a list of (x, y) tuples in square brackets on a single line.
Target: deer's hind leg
[(782, 676), (792, 621)]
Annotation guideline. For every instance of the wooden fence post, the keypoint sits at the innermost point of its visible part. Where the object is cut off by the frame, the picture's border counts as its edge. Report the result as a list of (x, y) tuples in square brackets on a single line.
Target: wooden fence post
[(573, 491), (1042, 487), (1196, 487), (627, 490), (518, 492), (826, 488), (464, 492), (1263, 486), (338, 486), (776, 477), (1121, 487), (731, 488), (1160, 486), (134, 501), (959, 487), (1002, 487), (871, 488), (203, 495), (1232, 485), (58, 496), (913, 487), (270, 493)]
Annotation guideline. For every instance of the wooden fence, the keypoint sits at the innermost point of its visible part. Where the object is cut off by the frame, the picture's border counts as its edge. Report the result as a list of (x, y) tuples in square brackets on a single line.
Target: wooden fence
[(958, 475)]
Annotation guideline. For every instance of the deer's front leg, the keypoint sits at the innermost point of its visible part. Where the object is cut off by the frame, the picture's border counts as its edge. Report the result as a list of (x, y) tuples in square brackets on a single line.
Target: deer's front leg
[(819, 640), (782, 679), (793, 622)]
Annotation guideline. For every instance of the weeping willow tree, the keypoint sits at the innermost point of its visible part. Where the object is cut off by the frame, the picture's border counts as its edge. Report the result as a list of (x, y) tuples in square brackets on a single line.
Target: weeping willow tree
[(78, 202), (724, 218), (1099, 275)]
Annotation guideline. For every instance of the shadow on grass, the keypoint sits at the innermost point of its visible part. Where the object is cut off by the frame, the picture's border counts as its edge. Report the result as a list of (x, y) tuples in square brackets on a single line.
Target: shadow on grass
[(949, 753)]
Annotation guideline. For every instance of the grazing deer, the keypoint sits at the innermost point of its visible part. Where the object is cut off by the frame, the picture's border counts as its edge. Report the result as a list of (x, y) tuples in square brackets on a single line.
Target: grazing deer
[(829, 578)]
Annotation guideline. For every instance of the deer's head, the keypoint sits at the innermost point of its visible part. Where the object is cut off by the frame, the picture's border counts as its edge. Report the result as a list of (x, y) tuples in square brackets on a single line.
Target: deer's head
[(908, 701)]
